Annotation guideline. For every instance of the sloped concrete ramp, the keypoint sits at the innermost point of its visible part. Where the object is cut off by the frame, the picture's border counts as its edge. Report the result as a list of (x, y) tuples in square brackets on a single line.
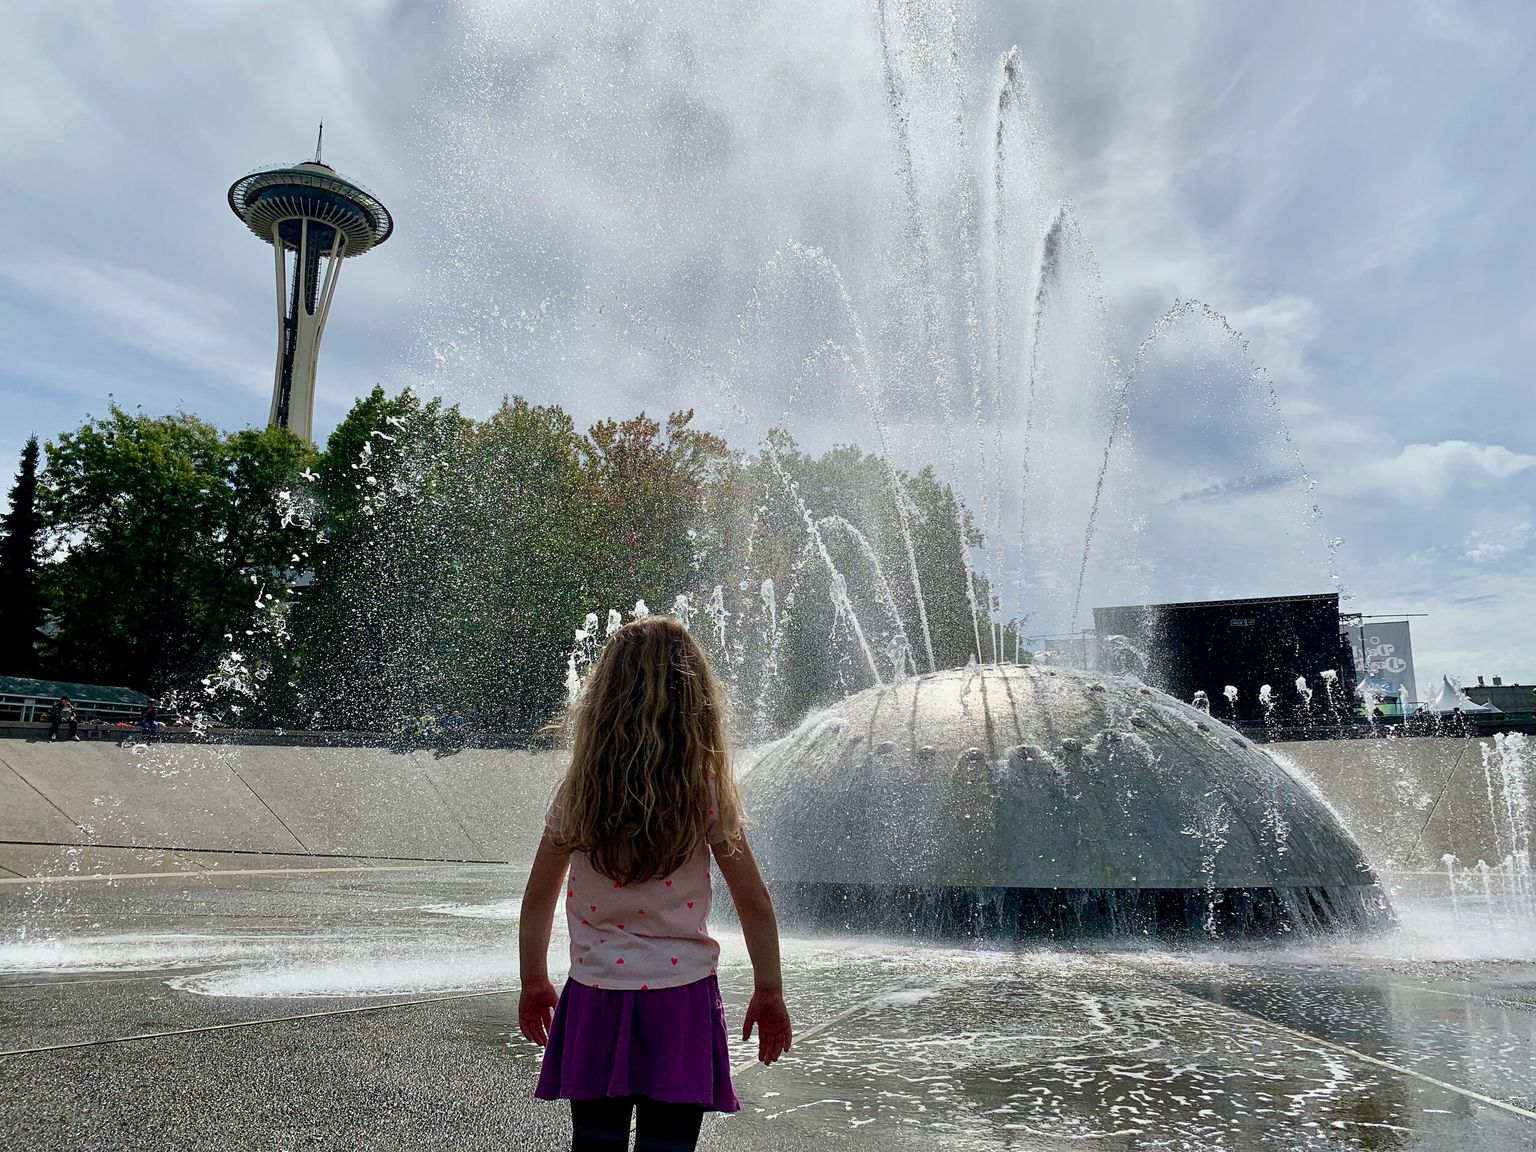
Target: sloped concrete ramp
[(1409, 802), (173, 803)]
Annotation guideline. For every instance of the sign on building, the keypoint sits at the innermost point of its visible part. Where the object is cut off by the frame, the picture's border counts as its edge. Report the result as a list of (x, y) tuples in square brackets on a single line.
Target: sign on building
[(1384, 651)]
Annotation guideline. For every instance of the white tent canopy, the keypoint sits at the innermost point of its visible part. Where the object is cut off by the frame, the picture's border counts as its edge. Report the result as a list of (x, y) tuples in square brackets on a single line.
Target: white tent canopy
[(1450, 697), (1378, 688)]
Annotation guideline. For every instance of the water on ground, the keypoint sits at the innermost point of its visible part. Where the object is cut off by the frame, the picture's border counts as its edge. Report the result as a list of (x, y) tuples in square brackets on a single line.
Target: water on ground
[(376, 1008)]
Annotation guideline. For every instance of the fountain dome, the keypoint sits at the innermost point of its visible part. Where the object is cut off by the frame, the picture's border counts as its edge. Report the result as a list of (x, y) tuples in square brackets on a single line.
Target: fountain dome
[(1035, 800)]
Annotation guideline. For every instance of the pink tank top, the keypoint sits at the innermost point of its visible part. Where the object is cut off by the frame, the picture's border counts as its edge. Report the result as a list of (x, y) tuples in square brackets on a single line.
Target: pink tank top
[(642, 936)]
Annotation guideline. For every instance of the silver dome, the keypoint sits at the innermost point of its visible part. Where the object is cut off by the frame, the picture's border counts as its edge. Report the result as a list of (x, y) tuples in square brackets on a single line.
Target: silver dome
[(1089, 791)]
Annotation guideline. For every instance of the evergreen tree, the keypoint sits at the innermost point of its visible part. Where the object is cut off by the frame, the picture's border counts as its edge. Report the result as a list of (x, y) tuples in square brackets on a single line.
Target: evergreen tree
[(21, 603)]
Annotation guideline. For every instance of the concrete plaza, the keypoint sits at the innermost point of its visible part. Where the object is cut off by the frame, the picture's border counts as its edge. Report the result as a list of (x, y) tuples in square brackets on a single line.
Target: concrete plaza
[(372, 1008)]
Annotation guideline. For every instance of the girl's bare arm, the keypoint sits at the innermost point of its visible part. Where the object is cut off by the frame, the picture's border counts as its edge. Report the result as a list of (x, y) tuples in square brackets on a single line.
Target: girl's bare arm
[(536, 1003), (754, 908)]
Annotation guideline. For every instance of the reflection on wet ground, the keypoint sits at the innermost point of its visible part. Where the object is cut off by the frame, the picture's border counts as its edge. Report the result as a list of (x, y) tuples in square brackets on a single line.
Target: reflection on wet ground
[(377, 985)]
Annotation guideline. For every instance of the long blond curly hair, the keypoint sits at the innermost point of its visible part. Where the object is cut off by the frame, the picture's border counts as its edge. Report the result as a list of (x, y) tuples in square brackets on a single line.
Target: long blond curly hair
[(648, 739)]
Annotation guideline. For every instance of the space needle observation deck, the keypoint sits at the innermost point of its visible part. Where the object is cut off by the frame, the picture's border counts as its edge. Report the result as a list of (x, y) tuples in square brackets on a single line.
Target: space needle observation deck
[(317, 217)]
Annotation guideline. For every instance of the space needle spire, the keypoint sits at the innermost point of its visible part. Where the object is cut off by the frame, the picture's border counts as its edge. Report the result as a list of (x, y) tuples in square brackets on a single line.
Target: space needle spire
[(311, 213)]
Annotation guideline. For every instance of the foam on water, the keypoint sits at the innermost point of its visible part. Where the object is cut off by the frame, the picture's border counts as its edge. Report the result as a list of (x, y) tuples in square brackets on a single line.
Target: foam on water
[(496, 910), (426, 969), (138, 952)]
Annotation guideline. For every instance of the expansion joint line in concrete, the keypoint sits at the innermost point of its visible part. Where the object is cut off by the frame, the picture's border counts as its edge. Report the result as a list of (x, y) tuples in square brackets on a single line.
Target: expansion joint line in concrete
[(451, 811), (235, 772), (212, 873), (744, 1066), (223, 852), (830, 1022), (1353, 1053), (238, 1024), (1476, 998), (1435, 807), (42, 795)]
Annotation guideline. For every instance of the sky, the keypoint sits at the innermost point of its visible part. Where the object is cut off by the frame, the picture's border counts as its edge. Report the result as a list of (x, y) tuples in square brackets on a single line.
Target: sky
[(649, 205)]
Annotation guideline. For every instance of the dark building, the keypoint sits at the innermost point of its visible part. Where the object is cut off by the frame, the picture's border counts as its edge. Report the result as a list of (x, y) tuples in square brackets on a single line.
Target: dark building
[(1206, 646), (1516, 701)]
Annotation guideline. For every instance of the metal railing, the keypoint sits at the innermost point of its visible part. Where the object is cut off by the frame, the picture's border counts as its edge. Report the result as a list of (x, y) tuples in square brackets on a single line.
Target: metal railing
[(33, 709)]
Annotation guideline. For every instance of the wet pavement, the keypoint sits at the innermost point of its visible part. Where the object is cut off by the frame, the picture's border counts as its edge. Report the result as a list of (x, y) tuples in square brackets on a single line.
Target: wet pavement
[(371, 1009)]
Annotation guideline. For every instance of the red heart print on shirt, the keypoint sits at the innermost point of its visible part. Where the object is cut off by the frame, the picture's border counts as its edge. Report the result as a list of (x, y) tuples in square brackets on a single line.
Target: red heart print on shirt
[(690, 903), (669, 883), (620, 960), (674, 959)]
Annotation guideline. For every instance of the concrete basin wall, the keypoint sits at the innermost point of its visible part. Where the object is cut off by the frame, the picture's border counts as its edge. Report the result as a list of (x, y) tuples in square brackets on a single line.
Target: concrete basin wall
[(1411, 801), (1408, 802), (291, 802)]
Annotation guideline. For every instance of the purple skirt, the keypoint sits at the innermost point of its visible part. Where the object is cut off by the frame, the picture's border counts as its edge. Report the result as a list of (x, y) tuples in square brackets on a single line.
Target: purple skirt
[(667, 1045)]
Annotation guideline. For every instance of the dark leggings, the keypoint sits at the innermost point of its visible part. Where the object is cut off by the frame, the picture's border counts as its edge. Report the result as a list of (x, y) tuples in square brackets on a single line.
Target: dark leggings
[(603, 1125)]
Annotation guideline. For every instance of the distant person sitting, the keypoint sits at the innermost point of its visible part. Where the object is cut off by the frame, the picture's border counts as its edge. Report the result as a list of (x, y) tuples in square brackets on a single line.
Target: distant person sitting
[(63, 712), (149, 720)]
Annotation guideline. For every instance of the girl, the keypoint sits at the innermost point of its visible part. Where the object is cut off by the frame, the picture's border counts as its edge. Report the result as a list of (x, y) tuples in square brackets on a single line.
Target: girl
[(647, 799)]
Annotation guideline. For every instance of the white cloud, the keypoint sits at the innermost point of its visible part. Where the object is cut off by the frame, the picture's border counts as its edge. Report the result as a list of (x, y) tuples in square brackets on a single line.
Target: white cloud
[(1448, 469), (1468, 631), (1488, 547), (136, 308), (1280, 333)]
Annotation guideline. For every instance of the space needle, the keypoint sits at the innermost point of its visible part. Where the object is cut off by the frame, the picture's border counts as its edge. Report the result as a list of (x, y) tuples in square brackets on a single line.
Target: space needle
[(320, 217)]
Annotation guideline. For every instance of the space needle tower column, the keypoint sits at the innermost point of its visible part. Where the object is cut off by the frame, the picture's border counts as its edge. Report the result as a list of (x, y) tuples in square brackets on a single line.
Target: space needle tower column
[(311, 213)]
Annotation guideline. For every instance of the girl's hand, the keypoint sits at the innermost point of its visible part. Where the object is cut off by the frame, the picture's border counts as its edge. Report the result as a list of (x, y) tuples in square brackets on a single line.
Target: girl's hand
[(536, 1009), (546, 880), (774, 1033)]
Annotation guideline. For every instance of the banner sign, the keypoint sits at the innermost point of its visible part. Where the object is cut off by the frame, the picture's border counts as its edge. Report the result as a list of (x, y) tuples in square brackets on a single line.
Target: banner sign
[(1384, 652)]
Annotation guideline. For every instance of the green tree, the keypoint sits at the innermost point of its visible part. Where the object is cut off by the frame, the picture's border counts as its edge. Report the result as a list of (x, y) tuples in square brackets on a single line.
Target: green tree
[(531, 564), (652, 482), (21, 602), (365, 629), (459, 556), (426, 562), (812, 656), (164, 534)]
